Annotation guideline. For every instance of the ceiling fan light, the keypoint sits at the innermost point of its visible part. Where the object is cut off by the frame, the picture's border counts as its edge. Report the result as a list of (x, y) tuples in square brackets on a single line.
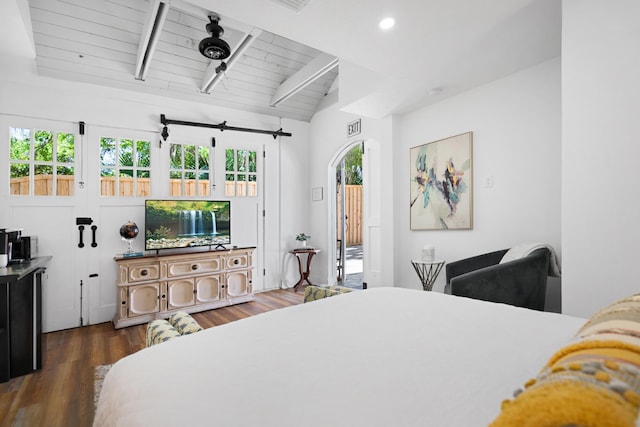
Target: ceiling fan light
[(214, 48)]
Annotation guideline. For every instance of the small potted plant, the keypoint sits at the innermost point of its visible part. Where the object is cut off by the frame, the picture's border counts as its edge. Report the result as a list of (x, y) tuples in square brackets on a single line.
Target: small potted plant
[(302, 238)]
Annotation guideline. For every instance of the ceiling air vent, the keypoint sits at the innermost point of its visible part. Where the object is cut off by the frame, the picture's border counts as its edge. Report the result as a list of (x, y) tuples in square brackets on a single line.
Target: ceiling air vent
[(295, 5)]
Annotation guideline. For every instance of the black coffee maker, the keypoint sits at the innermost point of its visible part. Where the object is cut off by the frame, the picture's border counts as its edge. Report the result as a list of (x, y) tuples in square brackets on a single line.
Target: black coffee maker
[(24, 249)]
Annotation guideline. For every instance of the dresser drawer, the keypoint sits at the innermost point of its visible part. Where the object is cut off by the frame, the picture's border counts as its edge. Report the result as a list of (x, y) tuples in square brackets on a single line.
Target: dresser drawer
[(143, 272), (237, 261), (194, 266)]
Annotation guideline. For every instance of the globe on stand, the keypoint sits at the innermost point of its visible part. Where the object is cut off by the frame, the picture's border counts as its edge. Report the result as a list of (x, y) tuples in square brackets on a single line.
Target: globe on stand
[(129, 232)]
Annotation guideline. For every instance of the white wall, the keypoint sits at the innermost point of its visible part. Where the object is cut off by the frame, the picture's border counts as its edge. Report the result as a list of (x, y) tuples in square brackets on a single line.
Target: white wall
[(516, 141), (601, 106), (295, 199)]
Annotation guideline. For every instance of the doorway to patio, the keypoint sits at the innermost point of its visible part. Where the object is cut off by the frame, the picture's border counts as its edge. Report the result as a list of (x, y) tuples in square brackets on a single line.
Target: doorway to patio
[(349, 253)]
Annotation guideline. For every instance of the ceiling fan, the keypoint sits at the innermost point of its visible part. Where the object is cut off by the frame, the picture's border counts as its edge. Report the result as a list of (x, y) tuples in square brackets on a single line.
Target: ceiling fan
[(214, 47)]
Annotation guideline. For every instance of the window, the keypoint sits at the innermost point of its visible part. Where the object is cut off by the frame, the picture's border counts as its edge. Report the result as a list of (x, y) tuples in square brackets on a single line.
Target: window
[(189, 170), (41, 162), (125, 167), (241, 178)]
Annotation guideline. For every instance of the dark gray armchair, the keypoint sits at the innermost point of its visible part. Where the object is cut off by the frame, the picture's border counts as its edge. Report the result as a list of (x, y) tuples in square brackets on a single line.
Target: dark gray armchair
[(521, 282)]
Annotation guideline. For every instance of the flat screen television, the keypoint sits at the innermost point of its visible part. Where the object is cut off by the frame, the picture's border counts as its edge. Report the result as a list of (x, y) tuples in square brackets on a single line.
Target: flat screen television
[(171, 224)]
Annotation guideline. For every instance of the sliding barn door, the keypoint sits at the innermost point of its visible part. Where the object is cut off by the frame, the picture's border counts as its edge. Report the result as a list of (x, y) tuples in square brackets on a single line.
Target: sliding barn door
[(120, 166), (44, 199)]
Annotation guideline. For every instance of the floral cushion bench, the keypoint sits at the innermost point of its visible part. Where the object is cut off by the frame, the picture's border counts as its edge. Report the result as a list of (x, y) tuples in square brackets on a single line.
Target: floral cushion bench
[(161, 330), (313, 292)]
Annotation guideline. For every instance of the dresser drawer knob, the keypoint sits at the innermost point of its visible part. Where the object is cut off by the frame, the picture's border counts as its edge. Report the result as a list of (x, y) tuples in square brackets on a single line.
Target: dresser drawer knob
[(194, 266), (144, 272), (236, 261)]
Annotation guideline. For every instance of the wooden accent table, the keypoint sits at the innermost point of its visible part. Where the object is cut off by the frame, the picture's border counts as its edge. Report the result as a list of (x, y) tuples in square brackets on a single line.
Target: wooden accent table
[(304, 274)]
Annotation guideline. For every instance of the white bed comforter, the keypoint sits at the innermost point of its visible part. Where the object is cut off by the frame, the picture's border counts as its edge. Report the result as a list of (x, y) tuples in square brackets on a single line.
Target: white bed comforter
[(380, 357)]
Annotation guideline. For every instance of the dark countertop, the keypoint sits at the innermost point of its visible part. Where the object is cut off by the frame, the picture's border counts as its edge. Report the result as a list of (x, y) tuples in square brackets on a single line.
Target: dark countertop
[(14, 272)]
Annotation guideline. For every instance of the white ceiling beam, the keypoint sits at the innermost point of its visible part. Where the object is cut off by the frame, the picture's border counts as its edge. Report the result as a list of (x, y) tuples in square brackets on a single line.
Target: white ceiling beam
[(315, 69), (213, 75), (154, 22)]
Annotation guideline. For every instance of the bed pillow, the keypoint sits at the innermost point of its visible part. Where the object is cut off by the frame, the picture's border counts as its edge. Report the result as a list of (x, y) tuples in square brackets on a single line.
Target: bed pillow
[(314, 293), (592, 382), (160, 331), (184, 323)]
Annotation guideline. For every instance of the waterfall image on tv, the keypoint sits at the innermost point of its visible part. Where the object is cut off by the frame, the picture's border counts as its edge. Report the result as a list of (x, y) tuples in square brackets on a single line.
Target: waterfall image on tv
[(186, 223)]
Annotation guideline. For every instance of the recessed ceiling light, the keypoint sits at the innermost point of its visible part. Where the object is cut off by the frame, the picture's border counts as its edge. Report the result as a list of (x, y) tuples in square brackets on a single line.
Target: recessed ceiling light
[(387, 23)]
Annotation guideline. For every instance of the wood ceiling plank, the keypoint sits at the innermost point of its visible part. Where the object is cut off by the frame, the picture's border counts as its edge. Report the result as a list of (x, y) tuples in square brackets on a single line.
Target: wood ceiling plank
[(46, 30), (175, 73), (247, 89), (259, 64), (88, 73), (278, 51), (175, 26), (280, 70), (80, 47), (179, 60), (167, 75), (70, 60), (140, 5), (182, 52), (91, 10), (55, 20), (190, 21)]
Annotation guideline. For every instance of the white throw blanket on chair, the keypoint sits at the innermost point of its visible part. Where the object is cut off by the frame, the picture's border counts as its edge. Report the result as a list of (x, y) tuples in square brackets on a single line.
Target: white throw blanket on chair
[(524, 249)]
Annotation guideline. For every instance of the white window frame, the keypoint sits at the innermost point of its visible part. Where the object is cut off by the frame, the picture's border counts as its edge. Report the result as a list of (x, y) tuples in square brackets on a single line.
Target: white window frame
[(134, 168), (237, 191), (196, 172), (54, 163)]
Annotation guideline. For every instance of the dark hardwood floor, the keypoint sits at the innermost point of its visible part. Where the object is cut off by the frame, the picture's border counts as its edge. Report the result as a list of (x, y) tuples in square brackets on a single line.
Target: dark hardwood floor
[(61, 393)]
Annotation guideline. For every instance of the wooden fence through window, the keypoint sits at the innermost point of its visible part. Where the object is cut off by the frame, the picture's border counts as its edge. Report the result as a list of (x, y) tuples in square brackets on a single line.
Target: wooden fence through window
[(43, 186)]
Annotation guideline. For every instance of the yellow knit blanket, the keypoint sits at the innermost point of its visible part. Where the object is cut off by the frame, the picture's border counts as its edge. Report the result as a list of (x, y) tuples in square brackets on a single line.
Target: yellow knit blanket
[(593, 382)]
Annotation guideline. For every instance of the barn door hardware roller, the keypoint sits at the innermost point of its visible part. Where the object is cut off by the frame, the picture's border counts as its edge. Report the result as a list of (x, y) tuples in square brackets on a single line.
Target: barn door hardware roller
[(221, 126)]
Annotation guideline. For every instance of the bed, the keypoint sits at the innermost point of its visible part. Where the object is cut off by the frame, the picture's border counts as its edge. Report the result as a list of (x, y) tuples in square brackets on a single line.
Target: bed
[(380, 357)]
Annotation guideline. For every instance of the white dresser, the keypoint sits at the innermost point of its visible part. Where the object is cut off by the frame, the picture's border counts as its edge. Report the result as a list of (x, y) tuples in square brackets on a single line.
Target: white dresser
[(154, 287)]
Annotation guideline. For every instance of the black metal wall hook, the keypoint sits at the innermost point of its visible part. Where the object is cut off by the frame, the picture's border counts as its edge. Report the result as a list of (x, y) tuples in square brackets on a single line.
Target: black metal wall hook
[(80, 242), (93, 236)]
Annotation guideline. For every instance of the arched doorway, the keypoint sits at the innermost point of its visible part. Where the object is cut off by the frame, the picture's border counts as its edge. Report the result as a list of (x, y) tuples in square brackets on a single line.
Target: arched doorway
[(345, 216)]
